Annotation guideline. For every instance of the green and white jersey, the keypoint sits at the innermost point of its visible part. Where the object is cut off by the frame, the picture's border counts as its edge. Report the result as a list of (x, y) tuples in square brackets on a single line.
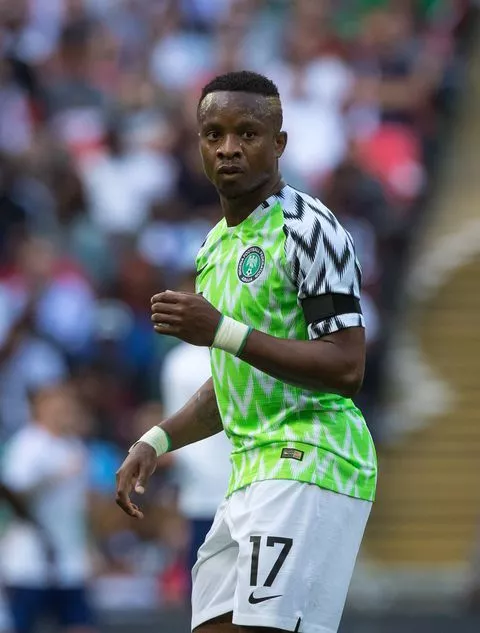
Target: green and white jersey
[(290, 248)]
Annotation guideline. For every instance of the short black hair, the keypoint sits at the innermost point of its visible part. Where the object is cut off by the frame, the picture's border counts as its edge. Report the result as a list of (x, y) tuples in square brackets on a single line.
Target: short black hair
[(251, 82), (241, 81)]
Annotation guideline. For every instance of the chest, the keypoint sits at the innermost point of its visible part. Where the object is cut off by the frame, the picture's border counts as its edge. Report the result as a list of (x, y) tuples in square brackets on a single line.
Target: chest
[(246, 276)]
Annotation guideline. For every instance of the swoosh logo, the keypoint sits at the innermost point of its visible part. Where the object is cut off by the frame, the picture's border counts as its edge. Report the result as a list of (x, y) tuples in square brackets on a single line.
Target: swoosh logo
[(253, 600)]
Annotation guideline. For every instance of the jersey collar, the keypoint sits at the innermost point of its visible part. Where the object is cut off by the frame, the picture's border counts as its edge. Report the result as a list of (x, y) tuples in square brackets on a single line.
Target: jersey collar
[(262, 209)]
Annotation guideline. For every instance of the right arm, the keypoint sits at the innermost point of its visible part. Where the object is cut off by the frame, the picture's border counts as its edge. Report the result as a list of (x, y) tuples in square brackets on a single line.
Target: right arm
[(196, 421)]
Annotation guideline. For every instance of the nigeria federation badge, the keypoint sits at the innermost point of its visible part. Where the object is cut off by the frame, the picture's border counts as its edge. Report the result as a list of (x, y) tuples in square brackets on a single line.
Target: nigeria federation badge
[(251, 264)]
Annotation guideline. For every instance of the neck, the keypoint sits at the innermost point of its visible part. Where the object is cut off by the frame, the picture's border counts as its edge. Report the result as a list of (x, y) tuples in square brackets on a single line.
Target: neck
[(236, 210)]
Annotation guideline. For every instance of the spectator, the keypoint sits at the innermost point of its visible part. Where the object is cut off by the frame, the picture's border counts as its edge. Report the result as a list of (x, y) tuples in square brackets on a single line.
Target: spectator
[(179, 55), (47, 462), (122, 184), (315, 83), (65, 301), (77, 111), (76, 234), (27, 362)]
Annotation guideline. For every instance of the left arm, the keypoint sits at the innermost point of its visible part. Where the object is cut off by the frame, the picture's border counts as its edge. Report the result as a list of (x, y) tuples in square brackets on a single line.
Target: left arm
[(333, 364), (324, 271)]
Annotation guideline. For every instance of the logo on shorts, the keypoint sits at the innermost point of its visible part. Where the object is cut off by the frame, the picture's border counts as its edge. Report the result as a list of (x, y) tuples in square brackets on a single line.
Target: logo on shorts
[(251, 264), (253, 600)]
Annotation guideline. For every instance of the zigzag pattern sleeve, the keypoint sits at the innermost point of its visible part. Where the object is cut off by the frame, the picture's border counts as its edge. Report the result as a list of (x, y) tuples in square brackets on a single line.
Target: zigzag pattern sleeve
[(322, 260)]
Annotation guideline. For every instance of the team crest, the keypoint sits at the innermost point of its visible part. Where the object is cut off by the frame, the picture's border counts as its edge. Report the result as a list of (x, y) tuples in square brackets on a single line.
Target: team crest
[(251, 264)]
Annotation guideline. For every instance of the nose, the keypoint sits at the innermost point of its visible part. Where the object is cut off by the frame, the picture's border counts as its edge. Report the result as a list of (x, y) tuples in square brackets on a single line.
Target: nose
[(229, 148)]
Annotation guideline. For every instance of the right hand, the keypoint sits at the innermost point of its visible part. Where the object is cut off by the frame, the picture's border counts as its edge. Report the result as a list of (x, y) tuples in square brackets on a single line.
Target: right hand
[(134, 474)]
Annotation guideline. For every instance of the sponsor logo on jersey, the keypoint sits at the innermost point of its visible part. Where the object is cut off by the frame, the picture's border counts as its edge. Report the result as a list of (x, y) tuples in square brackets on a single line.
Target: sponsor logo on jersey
[(251, 264)]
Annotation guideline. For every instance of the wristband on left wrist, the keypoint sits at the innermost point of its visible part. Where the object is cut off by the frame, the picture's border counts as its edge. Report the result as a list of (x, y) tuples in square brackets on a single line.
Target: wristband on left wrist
[(231, 335)]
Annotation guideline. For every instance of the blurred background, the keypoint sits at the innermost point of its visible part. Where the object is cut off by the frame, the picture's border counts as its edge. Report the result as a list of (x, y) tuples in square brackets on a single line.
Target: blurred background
[(103, 203)]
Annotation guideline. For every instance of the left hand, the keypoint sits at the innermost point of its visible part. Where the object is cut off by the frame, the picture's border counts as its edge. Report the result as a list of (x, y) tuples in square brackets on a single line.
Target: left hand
[(186, 315)]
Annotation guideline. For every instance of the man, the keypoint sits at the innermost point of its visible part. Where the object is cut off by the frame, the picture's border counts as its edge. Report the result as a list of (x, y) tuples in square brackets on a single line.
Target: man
[(203, 468), (278, 304), (46, 463)]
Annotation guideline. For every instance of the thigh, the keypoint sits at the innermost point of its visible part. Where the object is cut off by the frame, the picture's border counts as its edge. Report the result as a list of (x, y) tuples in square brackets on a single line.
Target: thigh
[(214, 575), (297, 549), (262, 629), (26, 606), (222, 624), (72, 608)]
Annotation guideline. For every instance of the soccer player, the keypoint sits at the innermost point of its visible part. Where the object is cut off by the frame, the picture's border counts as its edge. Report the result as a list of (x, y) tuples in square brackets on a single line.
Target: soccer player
[(278, 289)]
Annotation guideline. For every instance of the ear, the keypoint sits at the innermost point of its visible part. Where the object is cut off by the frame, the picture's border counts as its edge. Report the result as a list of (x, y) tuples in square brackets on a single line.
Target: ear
[(280, 143)]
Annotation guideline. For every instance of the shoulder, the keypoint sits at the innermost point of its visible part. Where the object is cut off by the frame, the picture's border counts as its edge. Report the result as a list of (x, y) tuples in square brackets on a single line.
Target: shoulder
[(28, 434), (27, 442), (210, 241), (214, 233), (309, 224)]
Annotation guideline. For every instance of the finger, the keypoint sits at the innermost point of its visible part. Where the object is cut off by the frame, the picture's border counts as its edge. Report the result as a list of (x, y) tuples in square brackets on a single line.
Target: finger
[(125, 479), (167, 308), (169, 296), (167, 319), (168, 330), (138, 513), (123, 501), (141, 483)]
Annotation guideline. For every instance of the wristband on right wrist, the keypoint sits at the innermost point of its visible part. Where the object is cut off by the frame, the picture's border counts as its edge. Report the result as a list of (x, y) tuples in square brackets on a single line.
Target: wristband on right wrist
[(157, 438)]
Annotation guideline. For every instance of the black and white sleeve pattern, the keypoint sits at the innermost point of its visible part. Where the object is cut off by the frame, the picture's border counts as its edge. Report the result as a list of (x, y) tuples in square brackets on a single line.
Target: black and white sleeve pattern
[(322, 260)]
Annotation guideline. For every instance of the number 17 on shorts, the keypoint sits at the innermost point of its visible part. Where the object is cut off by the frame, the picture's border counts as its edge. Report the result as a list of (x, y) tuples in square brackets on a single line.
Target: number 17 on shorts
[(270, 541)]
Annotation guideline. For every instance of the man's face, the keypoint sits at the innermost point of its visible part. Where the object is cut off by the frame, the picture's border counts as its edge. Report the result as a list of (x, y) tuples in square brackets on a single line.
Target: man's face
[(239, 143)]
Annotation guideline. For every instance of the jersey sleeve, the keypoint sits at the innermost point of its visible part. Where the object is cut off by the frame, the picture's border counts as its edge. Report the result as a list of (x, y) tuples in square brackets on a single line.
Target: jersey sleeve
[(322, 261)]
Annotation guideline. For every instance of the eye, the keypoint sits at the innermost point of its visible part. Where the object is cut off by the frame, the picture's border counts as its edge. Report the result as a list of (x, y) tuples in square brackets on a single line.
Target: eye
[(249, 135), (212, 135)]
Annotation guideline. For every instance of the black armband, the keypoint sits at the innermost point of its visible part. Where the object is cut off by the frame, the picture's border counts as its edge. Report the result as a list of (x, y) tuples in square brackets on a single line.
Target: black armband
[(323, 307)]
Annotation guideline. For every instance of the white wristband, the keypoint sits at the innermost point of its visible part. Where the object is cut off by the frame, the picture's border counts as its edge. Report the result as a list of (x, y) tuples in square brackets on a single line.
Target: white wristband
[(158, 440), (231, 335)]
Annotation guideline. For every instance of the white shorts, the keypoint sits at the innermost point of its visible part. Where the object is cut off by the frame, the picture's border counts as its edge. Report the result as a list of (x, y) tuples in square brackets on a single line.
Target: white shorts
[(280, 554)]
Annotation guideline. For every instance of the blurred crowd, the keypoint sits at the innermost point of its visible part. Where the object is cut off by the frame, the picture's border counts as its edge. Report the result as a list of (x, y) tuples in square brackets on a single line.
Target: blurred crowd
[(103, 203)]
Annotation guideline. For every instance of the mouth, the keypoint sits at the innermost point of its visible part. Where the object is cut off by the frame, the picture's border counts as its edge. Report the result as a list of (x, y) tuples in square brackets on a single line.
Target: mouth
[(229, 170)]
